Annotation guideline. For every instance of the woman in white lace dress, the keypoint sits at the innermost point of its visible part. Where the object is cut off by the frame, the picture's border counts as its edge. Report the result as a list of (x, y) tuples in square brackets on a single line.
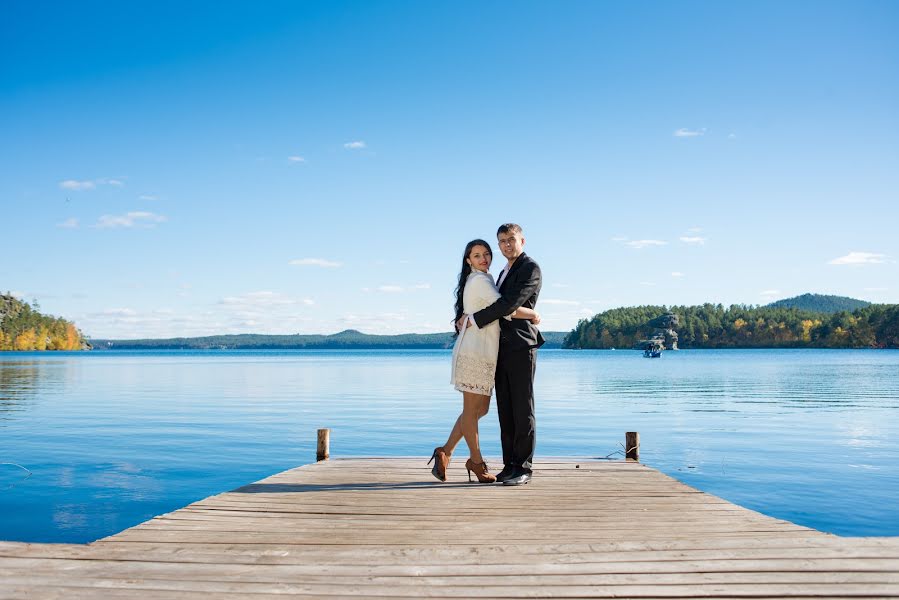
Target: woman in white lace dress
[(474, 360)]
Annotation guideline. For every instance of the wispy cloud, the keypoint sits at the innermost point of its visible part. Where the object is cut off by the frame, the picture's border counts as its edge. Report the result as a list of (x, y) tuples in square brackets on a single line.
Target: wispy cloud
[(316, 262), (645, 243), (83, 185), (296, 159), (860, 258), (263, 299), (619, 238), (692, 239), (355, 145), (684, 132), (119, 312), (70, 223), (676, 274), (131, 219), (78, 186), (557, 302), (770, 293), (148, 197), (397, 289)]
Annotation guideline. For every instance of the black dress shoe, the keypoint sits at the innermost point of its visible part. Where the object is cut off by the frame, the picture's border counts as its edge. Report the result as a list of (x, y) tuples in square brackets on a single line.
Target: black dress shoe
[(507, 472), (520, 478)]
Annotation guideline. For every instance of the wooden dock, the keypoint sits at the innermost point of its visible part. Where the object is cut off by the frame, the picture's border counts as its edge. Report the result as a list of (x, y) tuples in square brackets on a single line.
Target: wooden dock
[(385, 528)]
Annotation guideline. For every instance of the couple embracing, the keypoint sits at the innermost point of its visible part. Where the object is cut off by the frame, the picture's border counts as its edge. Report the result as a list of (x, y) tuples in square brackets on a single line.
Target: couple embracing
[(496, 346)]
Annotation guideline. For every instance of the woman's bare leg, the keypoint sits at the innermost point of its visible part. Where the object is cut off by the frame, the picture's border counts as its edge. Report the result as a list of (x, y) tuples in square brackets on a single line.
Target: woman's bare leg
[(474, 406), (455, 435), (454, 438)]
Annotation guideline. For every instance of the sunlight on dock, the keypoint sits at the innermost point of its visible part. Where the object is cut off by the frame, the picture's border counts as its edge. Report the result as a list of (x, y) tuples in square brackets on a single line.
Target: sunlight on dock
[(383, 527)]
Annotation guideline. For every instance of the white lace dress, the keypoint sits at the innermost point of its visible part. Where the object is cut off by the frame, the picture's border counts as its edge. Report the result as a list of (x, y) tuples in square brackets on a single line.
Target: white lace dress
[(475, 351)]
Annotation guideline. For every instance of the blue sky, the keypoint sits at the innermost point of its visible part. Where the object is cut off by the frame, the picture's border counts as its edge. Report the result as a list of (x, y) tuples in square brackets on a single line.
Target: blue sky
[(307, 167)]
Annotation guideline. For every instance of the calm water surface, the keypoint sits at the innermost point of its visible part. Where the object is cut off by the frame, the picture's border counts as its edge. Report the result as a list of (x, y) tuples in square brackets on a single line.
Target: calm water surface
[(115, 438)]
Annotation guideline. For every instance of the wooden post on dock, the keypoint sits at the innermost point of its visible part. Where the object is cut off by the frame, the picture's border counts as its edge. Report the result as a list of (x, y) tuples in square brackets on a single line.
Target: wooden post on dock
[(632, 446), (324, 445)]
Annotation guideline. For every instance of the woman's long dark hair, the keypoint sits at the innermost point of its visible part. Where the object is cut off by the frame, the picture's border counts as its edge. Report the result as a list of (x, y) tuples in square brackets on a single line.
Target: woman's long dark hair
[(466, 271)]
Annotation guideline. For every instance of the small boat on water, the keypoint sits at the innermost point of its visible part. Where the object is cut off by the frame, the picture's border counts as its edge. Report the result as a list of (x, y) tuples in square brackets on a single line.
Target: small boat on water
[(652, 353)]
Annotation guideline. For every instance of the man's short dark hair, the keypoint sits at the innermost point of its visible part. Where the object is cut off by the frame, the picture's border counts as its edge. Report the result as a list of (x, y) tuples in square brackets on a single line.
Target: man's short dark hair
[(512, 228)]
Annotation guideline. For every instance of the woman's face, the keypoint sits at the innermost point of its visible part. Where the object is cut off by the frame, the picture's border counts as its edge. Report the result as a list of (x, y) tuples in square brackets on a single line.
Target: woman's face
[(480, 258)]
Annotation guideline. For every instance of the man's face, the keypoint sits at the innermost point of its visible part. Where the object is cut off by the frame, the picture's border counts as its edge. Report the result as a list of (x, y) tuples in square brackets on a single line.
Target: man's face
[(510, 244)]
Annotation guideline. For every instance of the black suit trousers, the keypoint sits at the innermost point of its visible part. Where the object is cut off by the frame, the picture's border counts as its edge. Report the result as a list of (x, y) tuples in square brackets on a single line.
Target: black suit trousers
[(515, 405)]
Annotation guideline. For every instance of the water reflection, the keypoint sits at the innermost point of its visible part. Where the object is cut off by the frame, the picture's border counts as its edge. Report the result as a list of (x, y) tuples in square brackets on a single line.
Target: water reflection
[(116, 438), (19, 383), (25, 382)]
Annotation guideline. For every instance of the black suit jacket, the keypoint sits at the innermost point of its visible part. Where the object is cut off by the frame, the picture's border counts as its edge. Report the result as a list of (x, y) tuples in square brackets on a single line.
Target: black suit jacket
[(520, 287)]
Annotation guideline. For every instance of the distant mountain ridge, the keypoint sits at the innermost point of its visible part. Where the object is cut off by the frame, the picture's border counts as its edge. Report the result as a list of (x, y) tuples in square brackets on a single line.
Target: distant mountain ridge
[(821, 303), (348, 339)]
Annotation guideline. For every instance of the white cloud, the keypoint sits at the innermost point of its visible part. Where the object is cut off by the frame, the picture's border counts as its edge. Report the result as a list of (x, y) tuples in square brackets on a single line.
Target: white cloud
[(556, 302), (315, 262), (78, 186), (399, 289), (694, 229), (619, 238), (148, 197), (70, 223), (770, 293), (692, 239), (131, 219), (296, 159), (860, 258), (684, 132), (732, 136), (355, 145), (263, 299), (119, 312), (676, 274), (645, 243)]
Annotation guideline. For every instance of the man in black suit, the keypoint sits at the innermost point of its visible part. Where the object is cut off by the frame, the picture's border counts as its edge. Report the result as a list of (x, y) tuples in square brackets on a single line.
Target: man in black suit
[(519, 283)]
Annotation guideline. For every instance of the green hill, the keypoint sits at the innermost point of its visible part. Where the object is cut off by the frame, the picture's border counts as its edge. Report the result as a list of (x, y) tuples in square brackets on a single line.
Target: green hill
[(741, 326), (23, 327), (821, 303), (346, 340)]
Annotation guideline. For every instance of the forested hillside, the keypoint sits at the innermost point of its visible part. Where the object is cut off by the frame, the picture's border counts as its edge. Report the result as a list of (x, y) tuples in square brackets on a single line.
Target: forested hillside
[(23, 327), (821, 303), (740, 326)]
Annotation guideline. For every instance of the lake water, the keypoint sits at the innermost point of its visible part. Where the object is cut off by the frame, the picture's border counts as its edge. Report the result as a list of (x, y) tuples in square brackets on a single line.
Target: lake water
[(115, 438)]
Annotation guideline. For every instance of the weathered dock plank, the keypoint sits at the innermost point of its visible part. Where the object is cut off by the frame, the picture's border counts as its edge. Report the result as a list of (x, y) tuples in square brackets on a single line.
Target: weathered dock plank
[(383, 528)]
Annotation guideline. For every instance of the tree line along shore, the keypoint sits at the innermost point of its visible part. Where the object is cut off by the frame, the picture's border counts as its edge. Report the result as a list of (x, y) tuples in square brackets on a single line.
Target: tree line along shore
[(807, 321), (740, 326), (23, 327)]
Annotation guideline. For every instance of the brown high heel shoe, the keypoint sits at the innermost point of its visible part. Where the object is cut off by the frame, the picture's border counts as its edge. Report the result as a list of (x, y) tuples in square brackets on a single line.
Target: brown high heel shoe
[(480, 470), (441, 462)]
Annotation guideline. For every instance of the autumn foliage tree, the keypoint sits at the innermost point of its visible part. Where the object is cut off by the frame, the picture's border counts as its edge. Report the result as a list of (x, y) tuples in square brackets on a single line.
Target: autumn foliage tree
[(22, 327), (741, 326)]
